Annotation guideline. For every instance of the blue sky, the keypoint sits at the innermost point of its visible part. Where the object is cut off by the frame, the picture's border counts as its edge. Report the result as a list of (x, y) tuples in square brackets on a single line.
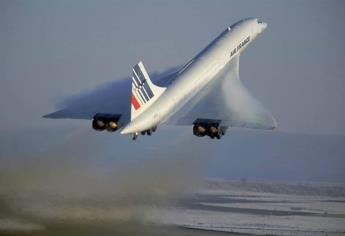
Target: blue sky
[(54, 49)]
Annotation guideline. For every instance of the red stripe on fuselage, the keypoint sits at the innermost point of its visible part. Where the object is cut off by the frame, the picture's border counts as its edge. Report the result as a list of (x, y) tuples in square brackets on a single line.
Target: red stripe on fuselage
[(135, 102)]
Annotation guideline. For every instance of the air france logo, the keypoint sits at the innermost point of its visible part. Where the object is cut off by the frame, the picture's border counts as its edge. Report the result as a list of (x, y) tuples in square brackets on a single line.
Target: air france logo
[(239, 46)]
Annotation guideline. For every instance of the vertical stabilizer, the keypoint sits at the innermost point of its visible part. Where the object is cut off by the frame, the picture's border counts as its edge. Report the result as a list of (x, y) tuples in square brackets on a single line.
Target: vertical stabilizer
[(144, 92)]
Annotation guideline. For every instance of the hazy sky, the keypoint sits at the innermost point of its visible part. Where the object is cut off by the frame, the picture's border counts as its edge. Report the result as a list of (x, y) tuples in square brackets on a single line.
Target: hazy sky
[(52, 49)]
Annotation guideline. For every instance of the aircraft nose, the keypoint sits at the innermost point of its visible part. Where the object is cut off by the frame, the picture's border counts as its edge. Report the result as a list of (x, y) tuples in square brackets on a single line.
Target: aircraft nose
[(262, 26)]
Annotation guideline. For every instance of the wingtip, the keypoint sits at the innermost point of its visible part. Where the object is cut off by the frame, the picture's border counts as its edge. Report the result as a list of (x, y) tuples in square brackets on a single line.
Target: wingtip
[(47, 116)]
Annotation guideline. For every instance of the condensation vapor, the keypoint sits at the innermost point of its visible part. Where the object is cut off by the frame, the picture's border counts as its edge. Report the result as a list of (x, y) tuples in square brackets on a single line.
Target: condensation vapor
[(65, 184)]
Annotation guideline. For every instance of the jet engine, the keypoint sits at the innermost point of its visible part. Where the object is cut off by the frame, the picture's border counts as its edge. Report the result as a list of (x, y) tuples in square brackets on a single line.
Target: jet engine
[(199, 130), (211, 128), (109, 122), (98, 124)]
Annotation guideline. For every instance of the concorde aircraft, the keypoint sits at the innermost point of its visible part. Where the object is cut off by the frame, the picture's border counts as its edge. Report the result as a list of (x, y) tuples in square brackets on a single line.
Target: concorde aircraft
[(206, 93)]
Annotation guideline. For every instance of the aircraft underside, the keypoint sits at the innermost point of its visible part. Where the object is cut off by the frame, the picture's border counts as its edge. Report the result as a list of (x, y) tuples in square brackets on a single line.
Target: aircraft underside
[(201, 127)]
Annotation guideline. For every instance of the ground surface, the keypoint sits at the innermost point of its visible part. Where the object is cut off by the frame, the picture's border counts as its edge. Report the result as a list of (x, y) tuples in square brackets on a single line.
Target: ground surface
[(219, 208)]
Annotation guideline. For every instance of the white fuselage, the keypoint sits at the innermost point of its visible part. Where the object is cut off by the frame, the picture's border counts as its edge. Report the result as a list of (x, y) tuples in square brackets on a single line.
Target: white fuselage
[(197, 73)]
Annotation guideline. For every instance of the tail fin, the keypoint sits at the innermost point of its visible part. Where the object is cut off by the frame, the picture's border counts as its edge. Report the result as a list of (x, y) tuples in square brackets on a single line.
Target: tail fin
[(144, 92)]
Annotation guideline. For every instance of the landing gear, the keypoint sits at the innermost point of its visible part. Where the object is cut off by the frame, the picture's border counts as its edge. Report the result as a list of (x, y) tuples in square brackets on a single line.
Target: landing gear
[(144, 132), (135, 136)]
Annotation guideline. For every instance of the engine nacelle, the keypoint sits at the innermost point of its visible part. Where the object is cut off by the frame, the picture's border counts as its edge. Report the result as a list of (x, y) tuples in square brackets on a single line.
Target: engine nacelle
[(208, 127), (109, 122), (98, 124), (199, 130), (112, 126)]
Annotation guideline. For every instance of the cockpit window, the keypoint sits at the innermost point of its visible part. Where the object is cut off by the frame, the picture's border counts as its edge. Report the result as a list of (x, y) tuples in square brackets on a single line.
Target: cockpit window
[(259, 21)]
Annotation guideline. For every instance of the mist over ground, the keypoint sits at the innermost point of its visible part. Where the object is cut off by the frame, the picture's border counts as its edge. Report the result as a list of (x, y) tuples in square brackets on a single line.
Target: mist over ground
[(71, 184)]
